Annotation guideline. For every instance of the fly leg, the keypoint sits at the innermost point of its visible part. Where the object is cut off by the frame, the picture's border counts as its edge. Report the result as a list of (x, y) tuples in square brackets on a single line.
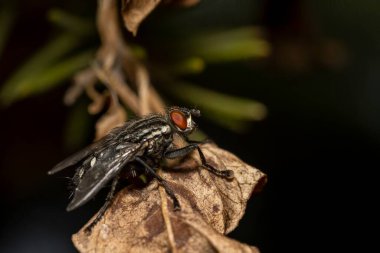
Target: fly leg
[(181, 152), (162, 182), (103, 209)]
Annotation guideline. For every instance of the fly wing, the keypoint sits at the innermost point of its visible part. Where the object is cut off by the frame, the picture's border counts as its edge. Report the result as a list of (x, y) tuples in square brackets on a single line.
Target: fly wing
[(102, 168), (77, 157)]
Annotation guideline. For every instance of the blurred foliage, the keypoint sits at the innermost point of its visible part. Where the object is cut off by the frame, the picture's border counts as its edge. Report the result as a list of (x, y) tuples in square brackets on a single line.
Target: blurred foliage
[(7, 16), (192, 54), (71, 23), (73, 47), (55, 62), (228, 45)]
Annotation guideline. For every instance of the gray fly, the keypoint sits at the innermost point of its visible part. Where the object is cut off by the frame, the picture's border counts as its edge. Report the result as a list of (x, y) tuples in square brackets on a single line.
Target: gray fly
[(138, 145)]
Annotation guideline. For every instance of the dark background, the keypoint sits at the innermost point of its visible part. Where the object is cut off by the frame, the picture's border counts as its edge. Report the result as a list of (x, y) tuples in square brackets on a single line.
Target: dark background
[(318, 144)]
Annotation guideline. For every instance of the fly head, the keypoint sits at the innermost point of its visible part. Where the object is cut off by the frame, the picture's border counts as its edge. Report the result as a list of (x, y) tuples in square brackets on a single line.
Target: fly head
[(180, 119)]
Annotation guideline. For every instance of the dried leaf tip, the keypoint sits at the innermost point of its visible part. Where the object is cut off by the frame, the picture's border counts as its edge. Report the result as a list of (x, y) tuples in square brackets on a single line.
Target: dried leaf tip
[(135, 11)]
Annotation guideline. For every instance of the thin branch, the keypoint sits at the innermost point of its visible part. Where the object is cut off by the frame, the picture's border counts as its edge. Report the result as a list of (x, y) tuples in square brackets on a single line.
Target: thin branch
[(82, 79), (98, 100), (142, 81), (116, 82)]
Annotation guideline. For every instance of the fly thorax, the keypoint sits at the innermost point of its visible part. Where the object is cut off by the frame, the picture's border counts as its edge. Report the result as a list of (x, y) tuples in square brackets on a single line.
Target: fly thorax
[(156, 139)]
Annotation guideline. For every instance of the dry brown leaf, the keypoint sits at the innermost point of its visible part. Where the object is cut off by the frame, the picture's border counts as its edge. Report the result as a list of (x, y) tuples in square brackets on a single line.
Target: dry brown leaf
[(135, 11), (143, 220)]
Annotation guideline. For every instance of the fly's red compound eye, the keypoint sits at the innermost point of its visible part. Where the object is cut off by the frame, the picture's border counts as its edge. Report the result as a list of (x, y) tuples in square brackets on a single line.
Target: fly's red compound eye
[(179, 119)]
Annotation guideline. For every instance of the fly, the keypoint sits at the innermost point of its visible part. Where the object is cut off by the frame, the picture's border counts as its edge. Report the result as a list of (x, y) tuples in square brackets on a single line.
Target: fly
[(137, 145)]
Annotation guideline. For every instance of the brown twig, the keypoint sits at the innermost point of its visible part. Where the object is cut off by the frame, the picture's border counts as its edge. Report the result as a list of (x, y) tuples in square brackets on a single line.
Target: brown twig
[(82, 79), (98, 99), (115, 82), (142, 81), (114, 64)]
